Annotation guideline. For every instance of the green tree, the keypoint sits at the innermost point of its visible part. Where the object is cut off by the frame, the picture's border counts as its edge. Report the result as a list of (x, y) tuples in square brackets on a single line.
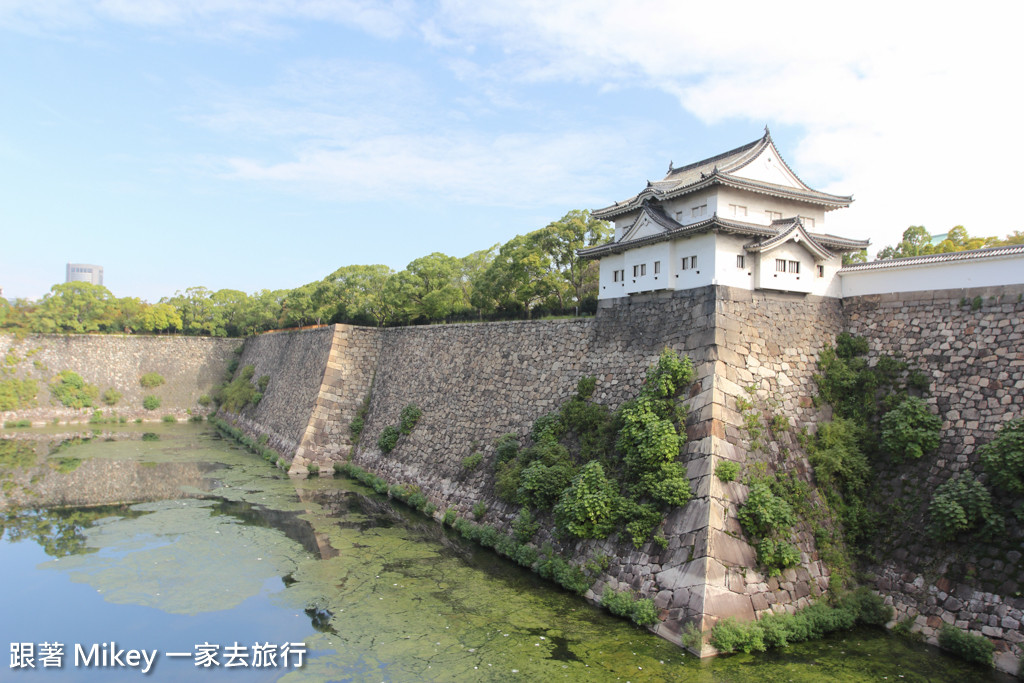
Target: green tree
[(433, 285), (522, 275), (73, 307), (161, 317), (562, 238), (916, 242)]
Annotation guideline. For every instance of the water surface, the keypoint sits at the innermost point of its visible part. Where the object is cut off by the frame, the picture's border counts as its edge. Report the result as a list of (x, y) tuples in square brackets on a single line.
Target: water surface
[(178, 538)]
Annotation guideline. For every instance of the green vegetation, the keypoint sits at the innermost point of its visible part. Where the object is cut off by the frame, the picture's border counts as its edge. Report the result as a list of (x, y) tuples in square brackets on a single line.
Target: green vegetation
[(407, 420), (622, 470), (977, 649), (388, 439), (151, 380), (355, 427), (204, 400), (151, 402), (1003, 457), (767, 518), (479, 510), (390, 435), (727, 470), (253, 446), (917, 242), (239, 392), (169, 418), (17, 394), (962, 504), (72, 391), (471, 462), (910, 430), (10, 424), (65, 465), (625, 604), (111, 396), (532, 275), (813, 622), (524, 528)]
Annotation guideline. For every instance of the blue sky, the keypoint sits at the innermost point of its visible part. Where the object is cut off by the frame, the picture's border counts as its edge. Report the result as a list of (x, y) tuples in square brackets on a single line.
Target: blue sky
[(252, 145)]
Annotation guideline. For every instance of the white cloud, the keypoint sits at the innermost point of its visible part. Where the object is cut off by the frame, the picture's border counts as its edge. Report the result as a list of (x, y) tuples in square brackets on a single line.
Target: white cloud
[(908, 108), (518, 170)]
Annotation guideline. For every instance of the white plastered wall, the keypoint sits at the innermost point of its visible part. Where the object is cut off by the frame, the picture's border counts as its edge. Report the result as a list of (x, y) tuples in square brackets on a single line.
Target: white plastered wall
[(987, 272)]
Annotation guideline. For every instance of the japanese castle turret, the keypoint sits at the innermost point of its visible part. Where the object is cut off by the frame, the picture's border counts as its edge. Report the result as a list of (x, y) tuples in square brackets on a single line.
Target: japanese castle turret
[(742, 218)]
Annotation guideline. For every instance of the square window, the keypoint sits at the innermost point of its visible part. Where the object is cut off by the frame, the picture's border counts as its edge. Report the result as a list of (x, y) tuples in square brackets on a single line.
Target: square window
[(780, 265), (773, 215), (699, 210), (737, 210), (693, 262), (739, 260), (636, 271), (808, 222), (643, 269), (686, 262), (657, 267), (794, 266)]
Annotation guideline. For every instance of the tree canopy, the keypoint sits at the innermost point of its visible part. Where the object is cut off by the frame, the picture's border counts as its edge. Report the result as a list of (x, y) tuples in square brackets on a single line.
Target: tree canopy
[(534, 273)]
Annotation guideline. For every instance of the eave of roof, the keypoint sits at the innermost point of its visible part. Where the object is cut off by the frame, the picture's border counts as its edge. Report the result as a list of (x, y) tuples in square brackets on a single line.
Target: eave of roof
[(714, 223), (971, 255), (828, 201), (792, 226)]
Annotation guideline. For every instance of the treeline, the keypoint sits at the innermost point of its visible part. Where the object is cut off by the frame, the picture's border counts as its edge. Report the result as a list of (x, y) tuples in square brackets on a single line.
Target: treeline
[(530, 275), (918, 242)]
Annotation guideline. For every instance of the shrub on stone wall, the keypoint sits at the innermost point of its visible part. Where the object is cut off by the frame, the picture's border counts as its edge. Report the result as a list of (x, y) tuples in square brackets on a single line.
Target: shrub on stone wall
[(410, 416), (471, 462), (388, 439), (813, 622), (151, 380), (727, 470), (72, 391), (111, 396), (910, 430), (1003, 457), (16, 394), (150, 402), (967, 646), (961, 504)]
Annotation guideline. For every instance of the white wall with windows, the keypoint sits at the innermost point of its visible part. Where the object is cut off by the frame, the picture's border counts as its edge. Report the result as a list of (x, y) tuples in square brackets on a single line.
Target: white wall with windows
[(746, 206)]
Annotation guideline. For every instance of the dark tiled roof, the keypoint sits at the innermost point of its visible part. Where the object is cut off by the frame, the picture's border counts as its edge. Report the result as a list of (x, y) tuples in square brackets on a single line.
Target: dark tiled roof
[(720, 170), (786, 228), (675, 230), (972, 255)]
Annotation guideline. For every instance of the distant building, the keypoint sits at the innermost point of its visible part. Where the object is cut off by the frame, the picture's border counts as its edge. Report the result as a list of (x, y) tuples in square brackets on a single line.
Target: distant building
[(84, 272)]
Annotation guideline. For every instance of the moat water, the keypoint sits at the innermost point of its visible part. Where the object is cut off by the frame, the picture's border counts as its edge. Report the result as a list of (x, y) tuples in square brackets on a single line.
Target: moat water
[(169, 538)]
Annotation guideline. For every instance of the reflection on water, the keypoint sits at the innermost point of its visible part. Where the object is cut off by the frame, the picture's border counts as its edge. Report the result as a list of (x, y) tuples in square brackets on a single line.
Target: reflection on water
[(169, 542)]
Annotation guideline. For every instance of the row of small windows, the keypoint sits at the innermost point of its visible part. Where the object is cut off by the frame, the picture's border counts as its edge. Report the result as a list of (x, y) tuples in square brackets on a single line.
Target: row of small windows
[(783, 266), (690, 263), (740, 211), (639, 270)]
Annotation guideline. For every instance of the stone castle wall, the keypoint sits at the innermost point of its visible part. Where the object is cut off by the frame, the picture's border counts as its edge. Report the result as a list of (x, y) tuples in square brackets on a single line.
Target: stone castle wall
[(970, 344), (295, 363), (476, 382), (190, 366)]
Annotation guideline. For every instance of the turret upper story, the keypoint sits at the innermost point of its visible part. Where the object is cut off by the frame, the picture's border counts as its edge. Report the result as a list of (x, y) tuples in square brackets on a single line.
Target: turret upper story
[(742, 218)]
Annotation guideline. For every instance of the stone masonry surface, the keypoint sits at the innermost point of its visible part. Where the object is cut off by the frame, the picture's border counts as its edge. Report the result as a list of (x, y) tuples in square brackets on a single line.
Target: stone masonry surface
[(476, 382), (970, 344), (190, 366)]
